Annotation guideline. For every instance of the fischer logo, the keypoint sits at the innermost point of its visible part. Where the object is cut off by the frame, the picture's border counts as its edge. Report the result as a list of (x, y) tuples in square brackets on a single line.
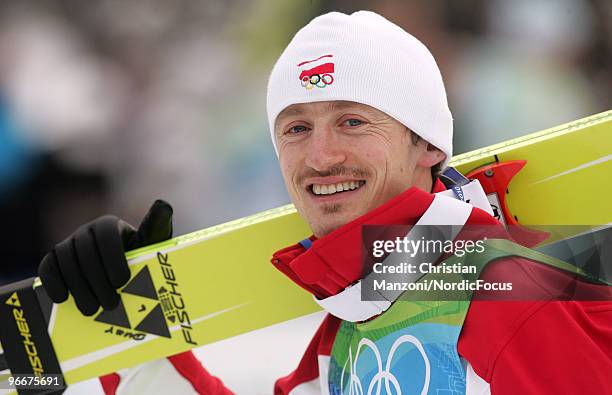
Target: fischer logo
[(24, 331), (174, 296), (317, 72)]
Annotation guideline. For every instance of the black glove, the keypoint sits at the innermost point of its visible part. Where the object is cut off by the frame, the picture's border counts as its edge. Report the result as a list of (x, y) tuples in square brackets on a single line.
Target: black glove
[(91, 264)]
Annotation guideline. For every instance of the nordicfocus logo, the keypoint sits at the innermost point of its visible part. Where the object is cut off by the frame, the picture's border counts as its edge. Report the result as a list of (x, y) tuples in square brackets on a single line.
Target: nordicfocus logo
[(26, 334), (317, 72), (143, 309)]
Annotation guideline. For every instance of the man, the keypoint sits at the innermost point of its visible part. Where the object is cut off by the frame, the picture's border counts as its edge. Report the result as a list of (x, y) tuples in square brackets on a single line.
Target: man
[(360, 121)]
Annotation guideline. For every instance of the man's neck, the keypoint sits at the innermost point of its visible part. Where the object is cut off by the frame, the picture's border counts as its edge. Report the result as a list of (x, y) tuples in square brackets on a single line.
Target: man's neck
[(425, 182)]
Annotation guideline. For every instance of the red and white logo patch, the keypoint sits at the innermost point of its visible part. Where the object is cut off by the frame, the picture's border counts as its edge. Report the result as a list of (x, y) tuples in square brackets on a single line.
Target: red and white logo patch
[(317, 72)]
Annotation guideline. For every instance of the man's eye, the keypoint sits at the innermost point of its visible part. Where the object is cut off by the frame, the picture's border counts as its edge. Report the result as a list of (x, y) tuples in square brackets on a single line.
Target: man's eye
[(297, 129), (353, 122)]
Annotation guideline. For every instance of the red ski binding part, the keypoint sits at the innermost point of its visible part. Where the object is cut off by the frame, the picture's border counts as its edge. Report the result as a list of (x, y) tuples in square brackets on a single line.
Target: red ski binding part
[(494, 179)]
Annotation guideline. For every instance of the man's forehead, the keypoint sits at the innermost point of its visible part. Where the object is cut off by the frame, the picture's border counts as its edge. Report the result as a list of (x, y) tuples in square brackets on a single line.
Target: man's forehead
[(324, 106)]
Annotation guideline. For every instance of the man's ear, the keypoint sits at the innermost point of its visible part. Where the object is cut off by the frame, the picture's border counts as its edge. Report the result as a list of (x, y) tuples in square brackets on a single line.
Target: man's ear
[(430, 156)]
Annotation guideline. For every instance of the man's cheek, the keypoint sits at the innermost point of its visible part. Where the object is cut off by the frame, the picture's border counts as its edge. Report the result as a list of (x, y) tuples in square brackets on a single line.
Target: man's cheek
[(289, 176)]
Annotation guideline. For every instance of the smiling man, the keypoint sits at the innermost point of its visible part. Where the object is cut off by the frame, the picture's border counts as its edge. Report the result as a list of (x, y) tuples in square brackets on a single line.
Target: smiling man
[(341, 159), (359, 119)]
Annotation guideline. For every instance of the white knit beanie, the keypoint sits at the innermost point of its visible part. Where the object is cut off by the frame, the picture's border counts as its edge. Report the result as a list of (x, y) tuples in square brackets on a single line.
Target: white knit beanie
[(363, 58)]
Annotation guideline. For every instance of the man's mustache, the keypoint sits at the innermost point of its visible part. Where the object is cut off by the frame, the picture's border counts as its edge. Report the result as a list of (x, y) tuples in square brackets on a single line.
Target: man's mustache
[(354, 172)]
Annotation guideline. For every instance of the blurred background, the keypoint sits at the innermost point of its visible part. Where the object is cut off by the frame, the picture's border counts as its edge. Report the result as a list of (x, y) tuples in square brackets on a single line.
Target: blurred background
[(107, 105)]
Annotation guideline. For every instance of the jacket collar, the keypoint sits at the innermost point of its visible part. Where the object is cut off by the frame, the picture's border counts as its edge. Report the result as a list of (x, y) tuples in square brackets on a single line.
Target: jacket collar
[(333, 262)]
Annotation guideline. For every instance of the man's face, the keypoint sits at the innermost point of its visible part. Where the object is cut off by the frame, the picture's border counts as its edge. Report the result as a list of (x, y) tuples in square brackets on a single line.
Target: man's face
[(341, 159)]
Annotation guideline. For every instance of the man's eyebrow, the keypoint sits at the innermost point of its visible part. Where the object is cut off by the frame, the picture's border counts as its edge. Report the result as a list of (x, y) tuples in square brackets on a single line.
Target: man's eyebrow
[(332, 106), (297, 110), (341, 105), (289, 111)]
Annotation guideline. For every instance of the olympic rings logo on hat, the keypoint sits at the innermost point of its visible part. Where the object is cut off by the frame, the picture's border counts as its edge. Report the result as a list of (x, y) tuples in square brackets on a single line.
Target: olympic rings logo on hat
[(319, 76), (318, 80)]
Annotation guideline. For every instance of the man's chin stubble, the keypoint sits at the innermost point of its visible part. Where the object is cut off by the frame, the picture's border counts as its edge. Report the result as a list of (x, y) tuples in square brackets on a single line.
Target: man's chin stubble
[(331, 208)]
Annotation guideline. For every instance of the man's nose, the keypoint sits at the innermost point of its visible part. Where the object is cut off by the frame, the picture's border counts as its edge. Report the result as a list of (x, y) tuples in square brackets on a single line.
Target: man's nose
[(325, 150)]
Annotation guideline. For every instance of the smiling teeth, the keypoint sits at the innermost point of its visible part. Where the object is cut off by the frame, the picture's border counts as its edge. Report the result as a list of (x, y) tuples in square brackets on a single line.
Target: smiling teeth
[(319, 189)]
